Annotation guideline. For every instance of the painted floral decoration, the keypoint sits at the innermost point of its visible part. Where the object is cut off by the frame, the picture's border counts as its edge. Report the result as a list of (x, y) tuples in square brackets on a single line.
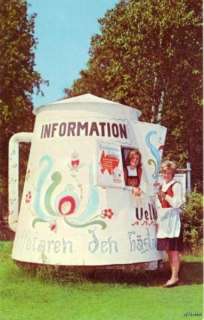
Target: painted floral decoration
[(53, 226), (28, 197), (75, 161), (107, 213)]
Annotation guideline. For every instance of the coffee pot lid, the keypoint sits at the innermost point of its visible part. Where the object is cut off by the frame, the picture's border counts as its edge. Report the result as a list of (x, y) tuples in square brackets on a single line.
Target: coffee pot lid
[(90, 103)]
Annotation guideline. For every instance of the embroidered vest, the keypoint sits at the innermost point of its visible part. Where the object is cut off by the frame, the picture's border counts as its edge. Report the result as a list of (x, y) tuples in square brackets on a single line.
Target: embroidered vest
[(169, 192)]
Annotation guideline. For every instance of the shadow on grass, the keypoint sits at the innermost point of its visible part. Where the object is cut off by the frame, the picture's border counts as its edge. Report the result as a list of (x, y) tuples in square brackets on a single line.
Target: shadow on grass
[(190, 273)]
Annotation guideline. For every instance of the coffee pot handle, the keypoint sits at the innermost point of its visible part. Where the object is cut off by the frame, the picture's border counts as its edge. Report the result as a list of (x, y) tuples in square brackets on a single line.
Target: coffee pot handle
[(13, 176)]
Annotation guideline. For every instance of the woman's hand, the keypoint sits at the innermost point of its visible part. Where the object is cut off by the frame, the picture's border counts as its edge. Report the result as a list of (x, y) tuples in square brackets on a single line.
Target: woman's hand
[(136, 191), (161, 194), (157, 187)]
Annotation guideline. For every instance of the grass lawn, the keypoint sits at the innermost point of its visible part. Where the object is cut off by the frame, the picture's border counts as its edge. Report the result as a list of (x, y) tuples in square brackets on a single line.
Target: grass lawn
[(139, 297)]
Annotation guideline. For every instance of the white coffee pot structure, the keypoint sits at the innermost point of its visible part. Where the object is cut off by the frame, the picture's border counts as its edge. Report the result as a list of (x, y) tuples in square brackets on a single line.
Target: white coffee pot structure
[(77, 208)]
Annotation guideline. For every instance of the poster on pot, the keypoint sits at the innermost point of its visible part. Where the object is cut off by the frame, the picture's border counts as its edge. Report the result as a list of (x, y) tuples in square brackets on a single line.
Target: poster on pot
[(109, 165)]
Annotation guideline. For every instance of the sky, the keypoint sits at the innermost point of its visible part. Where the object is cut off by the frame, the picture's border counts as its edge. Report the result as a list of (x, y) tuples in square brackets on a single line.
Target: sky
[(64, 29)]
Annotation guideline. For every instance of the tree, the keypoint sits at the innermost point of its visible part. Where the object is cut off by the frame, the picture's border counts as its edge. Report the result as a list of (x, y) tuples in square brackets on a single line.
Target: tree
[(18, 79), (149, 55)]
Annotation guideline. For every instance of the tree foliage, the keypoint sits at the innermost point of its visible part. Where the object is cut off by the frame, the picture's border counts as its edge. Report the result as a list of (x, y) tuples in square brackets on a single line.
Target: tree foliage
[(149, 55), (192, 221), (18, 78)]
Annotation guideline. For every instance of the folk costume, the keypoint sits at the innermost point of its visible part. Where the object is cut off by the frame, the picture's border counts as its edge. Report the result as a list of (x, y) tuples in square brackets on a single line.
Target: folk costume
[(169, 233), (133, 176)]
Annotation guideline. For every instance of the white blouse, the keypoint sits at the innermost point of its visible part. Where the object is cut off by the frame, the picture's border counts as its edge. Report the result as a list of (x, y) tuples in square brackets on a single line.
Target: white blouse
[(168, 220), (132, 172)]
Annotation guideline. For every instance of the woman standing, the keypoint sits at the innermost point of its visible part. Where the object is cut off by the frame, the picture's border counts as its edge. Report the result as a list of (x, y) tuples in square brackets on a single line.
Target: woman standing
[(169, 236)]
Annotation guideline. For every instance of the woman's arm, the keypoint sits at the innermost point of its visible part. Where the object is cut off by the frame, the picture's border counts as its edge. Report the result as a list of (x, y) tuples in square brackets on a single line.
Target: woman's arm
[(176, 201), (139, 174)]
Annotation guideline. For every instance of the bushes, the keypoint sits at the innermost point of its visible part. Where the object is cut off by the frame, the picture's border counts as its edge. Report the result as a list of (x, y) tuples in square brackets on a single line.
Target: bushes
[(192, 220)]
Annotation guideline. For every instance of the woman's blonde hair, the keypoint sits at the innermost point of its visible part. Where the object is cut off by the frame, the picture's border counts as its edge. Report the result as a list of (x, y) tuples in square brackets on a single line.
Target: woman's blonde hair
[(170, 165), (131, 154)]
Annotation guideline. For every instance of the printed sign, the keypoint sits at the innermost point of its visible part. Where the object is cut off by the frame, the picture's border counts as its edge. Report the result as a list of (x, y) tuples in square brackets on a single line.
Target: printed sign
[(109, 166), (132, 166), (92, 128)]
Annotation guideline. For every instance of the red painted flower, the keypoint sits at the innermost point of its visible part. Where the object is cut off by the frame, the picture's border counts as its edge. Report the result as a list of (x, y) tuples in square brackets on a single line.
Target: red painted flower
[(67, 205), (28, 197), (53, 226), (107, 213), (75, 160), (75, 163)]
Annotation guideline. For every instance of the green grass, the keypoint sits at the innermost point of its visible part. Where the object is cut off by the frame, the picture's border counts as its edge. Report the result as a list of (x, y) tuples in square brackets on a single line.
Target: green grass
[(118, 295)]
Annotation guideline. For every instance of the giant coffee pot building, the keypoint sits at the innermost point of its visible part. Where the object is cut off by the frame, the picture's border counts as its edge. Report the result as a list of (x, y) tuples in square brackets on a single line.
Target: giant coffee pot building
[(77, 207)]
